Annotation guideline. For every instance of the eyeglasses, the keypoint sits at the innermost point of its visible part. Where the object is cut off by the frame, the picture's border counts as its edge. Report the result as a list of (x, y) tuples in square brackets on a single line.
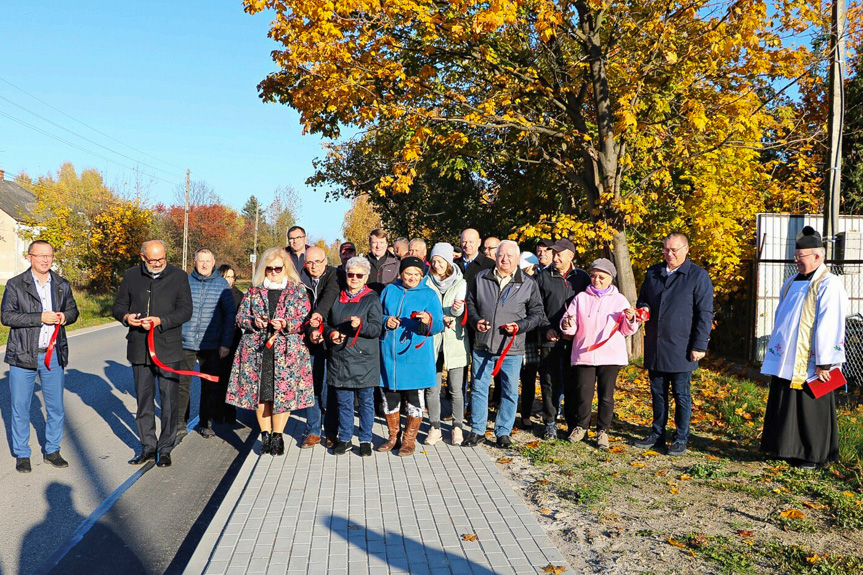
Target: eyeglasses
[(672, 250), (315, 262), (41, 256), (295, 238), (155, 260), (354, 276), (274, 269), (801, 256)]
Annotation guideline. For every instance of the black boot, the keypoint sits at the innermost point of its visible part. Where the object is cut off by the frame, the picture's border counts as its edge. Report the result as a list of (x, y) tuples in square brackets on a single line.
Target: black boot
[(277, 444), (266, 442)]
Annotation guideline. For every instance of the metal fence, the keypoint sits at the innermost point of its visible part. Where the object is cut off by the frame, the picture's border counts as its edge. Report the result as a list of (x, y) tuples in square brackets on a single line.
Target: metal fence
[(853, 368)]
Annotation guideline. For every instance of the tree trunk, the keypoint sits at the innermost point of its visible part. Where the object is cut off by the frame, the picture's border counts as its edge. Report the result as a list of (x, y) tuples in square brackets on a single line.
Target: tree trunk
[(626, 283)]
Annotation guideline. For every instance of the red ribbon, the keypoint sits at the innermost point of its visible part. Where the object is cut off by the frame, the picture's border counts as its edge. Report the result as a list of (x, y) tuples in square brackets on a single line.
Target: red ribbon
[(613, 331), (425, 337), (499, 361), (464, 311), (151, 347), (356, 335), (50, 351)]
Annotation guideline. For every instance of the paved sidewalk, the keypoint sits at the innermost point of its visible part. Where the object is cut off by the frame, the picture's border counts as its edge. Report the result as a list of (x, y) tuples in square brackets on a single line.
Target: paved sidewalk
[(312, 512)]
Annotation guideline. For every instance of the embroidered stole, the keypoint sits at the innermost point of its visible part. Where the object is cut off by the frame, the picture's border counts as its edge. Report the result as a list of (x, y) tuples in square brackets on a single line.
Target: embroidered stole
[(805, 331)]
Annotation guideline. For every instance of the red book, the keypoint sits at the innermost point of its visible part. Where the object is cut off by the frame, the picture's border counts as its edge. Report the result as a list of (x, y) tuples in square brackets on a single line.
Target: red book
[(820, 388)]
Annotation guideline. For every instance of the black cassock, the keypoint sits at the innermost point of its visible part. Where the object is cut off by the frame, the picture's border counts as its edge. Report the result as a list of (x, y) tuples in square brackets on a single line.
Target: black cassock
[(798, 426)]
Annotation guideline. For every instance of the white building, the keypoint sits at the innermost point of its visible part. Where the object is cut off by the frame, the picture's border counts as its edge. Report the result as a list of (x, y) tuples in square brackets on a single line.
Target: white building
[(16, 205)]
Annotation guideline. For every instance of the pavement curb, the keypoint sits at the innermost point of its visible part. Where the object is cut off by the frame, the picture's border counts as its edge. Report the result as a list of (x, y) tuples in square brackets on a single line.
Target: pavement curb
[(207, 544)]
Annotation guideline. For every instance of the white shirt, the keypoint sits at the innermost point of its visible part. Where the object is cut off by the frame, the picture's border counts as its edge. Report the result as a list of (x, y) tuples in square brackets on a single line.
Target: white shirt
[(44, 291)]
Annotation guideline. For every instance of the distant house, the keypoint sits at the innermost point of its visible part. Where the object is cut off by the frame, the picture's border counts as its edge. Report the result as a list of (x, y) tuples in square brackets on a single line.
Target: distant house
[(16, 205)]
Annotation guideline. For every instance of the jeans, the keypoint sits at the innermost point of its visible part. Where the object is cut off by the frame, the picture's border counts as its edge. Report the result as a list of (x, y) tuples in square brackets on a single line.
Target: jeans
[(318, 416), (21, 384), (366, 409), (679, 382), (455, 384), (483, 364)]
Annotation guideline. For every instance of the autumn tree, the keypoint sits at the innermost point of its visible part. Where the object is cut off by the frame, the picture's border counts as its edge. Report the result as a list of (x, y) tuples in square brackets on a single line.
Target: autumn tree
[(852, 142), (653, 115), (91, 227)]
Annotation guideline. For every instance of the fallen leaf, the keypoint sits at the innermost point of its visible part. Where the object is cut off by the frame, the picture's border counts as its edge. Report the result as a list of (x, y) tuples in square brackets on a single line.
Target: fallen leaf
[(672, 483), (650, 453), (676, 543), (489, 435), (660, 473), (743, 533), (712, 457), (617, 449), (793, 514), (514, 432), (554, 569), (848, 494), (504, 460), (542, 482), (616, 474), (777, 491), (545, 511), (814, 560), (811, 505), (637, 464), (673, 491), (685, 477), (468, 537), (532, 444)]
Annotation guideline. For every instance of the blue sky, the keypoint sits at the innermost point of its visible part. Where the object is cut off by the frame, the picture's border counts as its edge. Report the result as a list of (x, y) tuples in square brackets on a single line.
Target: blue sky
[(176, 80)]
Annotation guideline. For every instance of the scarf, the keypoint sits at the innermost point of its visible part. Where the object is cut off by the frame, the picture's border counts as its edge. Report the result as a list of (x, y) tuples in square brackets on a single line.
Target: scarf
[(272, 285), (444, 285), (599, 292)]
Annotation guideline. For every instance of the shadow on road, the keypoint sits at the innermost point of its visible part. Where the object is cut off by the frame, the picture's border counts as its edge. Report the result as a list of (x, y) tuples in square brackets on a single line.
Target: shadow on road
[(61, 511), (97, 393)]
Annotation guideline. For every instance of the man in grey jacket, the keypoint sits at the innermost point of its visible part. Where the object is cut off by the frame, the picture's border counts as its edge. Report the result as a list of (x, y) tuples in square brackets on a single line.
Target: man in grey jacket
[(502, 305)]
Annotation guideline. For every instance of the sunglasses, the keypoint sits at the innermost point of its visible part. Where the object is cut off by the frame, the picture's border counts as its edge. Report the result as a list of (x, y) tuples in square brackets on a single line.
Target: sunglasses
[(352, 275), (274, 270)]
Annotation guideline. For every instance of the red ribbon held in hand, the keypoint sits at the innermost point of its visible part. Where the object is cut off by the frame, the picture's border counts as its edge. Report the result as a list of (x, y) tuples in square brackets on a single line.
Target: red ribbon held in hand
[(641, 314), (151, 347), (50, 351), (464, 311), (356, 335), (414, 315), (499, 361)]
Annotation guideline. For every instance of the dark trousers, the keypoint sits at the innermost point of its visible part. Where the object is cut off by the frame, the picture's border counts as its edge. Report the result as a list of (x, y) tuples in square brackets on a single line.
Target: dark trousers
[(588, 378), (553, 372), (145, 392), (660, 381), (528, 388), (393, 399), (209, 406), (229, 412)]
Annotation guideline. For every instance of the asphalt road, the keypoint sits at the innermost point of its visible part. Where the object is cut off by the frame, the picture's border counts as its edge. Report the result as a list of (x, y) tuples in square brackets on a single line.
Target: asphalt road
[(154, 526)]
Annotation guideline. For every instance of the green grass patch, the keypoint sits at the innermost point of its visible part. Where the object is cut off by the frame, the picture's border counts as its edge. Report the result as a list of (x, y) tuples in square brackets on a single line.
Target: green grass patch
[(799, 560), (730, 556), (706, 470), (95, 309), (586, 489)]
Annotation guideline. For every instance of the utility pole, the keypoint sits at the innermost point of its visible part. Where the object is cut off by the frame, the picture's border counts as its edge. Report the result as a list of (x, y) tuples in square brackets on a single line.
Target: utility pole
[(836, 119), (186, 225), (254, 257)]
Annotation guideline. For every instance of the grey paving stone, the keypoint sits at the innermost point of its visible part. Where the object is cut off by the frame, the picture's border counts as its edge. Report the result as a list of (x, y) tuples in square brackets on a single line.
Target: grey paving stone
[(216, 568)]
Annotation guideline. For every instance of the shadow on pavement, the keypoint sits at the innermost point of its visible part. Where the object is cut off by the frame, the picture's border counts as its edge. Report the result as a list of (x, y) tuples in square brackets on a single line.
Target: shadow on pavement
[(415, 552)]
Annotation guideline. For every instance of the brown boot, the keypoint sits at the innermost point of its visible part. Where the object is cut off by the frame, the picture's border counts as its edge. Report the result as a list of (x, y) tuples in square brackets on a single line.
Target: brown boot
[(412, 426), (394, 425)]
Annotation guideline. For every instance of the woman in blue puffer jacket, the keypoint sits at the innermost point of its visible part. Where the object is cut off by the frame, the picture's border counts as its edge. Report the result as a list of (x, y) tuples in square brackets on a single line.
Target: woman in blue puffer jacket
[(412, 314)]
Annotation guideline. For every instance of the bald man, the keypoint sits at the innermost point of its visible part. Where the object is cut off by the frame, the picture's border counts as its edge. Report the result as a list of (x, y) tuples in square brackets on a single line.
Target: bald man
[(471, 261), (322, 285), (155, 295)]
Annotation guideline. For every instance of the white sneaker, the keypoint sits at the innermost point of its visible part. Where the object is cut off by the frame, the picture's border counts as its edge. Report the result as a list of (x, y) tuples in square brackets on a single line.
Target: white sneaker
[(434, 435), (577, 435), (456, 436), (602, 440)]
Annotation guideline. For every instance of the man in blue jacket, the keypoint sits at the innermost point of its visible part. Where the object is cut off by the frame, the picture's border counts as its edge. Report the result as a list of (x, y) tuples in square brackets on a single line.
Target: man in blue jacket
[(680, 297), (207, 338)]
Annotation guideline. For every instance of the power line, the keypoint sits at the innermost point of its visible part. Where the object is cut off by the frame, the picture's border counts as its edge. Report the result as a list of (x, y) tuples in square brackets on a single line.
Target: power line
[(83, 137), (88, 126), (97, 154)]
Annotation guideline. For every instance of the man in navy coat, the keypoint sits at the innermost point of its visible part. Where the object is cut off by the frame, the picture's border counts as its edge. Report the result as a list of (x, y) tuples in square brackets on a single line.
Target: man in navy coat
[(680, 297)]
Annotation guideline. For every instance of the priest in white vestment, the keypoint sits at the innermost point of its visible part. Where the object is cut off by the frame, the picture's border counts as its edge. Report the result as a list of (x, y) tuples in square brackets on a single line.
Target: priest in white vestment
[(808, 340)]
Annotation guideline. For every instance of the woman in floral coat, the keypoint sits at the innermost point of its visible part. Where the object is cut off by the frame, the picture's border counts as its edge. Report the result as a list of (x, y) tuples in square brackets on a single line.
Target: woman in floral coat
[(272, 371)]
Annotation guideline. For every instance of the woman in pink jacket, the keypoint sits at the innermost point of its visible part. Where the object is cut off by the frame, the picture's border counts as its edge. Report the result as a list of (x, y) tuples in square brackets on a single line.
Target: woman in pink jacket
[(598, 319)]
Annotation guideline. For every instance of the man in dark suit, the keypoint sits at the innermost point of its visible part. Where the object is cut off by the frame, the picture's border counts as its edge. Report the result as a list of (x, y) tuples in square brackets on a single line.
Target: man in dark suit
[(322, 285), (155, 296), (34, 304), (471, 261), (680, 297)]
